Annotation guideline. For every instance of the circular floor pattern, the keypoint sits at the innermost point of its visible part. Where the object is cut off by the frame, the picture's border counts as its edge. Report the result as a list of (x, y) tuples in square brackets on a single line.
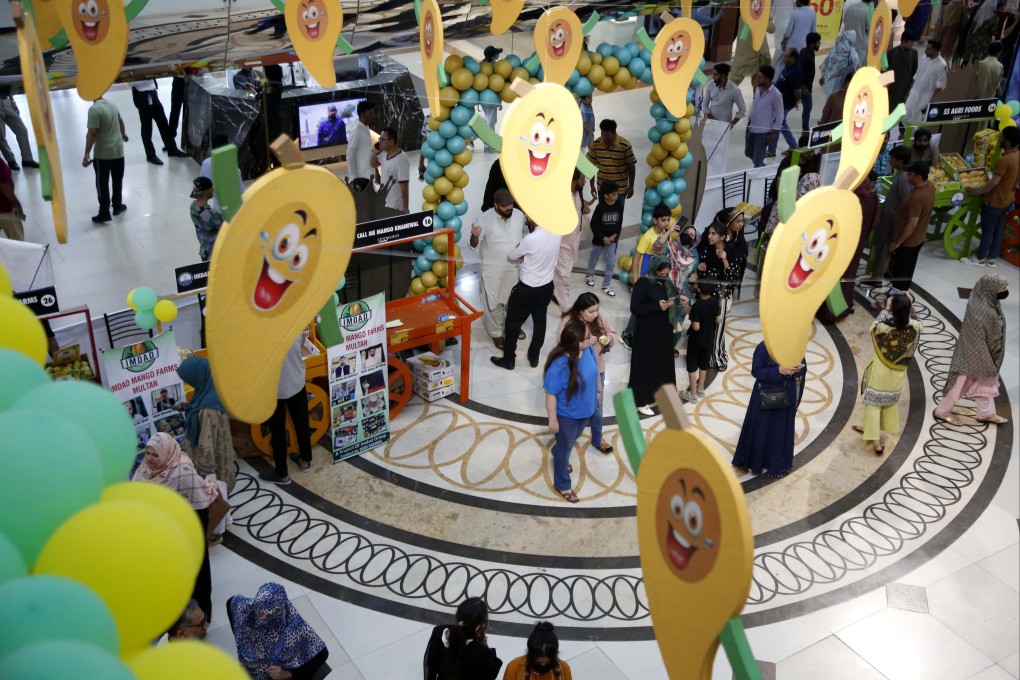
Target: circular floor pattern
[(384, 546)]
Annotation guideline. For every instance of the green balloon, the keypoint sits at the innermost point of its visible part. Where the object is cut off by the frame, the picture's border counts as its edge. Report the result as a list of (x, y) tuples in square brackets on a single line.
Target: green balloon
[(12, 565), (62, 659), (99, 414), (42, 608), (18, 375), (53, 471)]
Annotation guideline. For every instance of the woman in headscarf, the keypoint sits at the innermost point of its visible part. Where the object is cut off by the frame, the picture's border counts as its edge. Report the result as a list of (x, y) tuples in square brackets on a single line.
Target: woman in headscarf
[(894, 335), (719, 265), (651, 361), (206, 424), (974, 372), (542, 661), (165, 463), (841, 63), (273, 641), (683, 258)]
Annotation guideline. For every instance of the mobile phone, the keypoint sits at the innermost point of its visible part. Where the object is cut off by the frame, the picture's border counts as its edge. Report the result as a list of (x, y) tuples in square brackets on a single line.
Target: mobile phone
[(895, 291)]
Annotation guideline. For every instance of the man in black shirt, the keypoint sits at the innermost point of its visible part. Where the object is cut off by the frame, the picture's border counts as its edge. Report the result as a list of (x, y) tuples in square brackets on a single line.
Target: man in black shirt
[(789, 84), (807, 69)]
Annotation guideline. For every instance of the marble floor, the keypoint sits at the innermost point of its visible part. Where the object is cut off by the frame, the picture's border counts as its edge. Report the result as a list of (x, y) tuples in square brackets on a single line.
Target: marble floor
[(902, 567)]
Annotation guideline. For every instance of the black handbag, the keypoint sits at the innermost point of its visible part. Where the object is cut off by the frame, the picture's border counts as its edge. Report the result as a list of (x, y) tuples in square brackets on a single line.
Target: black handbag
[(773, 398)]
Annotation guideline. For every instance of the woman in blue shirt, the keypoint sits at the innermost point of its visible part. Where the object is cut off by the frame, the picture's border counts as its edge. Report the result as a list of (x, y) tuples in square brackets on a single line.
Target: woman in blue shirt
[(571, 394)]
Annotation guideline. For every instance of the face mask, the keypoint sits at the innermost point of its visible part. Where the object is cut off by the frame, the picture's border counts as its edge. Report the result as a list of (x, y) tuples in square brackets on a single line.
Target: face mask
[(686, 240), (1002, 294)]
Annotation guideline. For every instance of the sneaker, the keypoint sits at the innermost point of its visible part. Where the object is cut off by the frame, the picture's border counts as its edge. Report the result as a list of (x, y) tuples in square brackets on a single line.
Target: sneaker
[(972, 261), (609, 291), (645, 410), (119, 209), (701, 393), (29, 164), (689, 396), (177, 153), (589, 281), (625, 341), (102, 219), (273, 478), (989, 262), (155, 160), (13, 165)]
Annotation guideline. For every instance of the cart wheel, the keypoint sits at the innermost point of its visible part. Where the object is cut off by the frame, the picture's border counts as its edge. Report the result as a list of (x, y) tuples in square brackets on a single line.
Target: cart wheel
[(1011, 239), (962, 232), (399, 385), (318, 422)]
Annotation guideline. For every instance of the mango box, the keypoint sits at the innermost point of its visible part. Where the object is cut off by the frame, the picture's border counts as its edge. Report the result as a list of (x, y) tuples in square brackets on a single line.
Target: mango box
[(431, 385), (433, 395), (429, 367)]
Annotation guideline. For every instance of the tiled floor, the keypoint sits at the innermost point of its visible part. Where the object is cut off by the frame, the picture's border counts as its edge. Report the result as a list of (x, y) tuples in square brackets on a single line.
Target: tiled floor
[(970, 586)]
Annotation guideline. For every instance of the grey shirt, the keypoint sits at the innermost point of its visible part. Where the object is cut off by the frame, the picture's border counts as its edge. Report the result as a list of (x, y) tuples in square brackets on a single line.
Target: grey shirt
[(292, 375), (719, 101)]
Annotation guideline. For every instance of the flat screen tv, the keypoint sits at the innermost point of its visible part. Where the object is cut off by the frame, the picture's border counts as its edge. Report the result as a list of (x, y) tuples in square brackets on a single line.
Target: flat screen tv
[(325, 124)]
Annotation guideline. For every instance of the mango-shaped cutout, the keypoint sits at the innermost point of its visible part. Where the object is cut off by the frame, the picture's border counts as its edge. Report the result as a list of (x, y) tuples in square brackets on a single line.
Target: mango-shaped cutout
[(559, 39), (504, 14), (541, 134), (430, 36), (273, 268), (98, 31), (679, 48), (907, 7), (864, 112), (878, 36), (313, 27), (755, 14), (47, 23), (810, 253), (697, 547)]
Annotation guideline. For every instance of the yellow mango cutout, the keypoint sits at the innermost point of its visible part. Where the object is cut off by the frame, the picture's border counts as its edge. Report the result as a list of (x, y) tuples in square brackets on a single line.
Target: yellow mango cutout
[(697, 548), (907, 7), (559, 40), (47, 23), (98, 32), (755, 14), (878, 36), (810, 253), (430, 35), (273, 268), (314, 27), (37, 91), (679, 48), (504, 14), (864, 111), (541, 134)]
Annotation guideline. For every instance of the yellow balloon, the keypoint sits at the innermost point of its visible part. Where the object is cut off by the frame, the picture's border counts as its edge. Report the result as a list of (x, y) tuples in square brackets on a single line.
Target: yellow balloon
[(440, 244), (659, 152), (434, 123), (456, 251), (439, 267), (682, 125), (430, 194), (690, 110), (131, 299), (670, 165), (485, 68), (455, 196), (462, 181), (684, 136), (504, 68), (444, 112), (481, 81), (631, 84), (607, 84), (654, 96), (6, 287), (651, 183), (1003, 111), (453, 62), (130, 554), (459, 264), (443, 186), (596, 73), (442, 281), (428, 279), (657, 174), (462, 79), (170, 502), (680, 151), (165, 310), (583, 64), (426, 205), (1006, 123), (449, 96), (416, 287), (463, 158), (453, 171), (622, 76), (186, 659), (611, 65), (496, 82), (596, 57), (22, 331), (507, 95), (670, 141), (675, 212), (519, 73)]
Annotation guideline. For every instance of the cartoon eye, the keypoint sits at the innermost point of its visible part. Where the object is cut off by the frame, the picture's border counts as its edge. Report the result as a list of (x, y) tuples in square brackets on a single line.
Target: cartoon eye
[(550, 138), (692, 518), (313, 12), (286, 242), (304, 15), (559, 35), (676, 506), (428, 30), (93, 8), (82, 9), (817, 246), (538, 133), (671, 48), (300, 259)]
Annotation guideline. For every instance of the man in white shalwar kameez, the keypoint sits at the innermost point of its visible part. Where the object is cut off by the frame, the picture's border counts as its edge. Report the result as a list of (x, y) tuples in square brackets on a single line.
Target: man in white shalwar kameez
[(930, 79), (494, 234)]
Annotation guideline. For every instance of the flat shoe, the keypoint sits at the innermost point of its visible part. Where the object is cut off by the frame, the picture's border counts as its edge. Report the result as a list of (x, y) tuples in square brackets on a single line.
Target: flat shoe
[(879, 452), (857, 428), (304, 465), (521, 336), (570, 468), (569, 496), (994, 420), (951, 419), (605, 448)]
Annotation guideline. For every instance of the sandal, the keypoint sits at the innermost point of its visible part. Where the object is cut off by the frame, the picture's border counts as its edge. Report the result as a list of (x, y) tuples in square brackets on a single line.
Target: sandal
[(952, 419), (879, 451), (605, 448), (303, 465), (994, 420), (569, 496), (570, 468), (857, 428)]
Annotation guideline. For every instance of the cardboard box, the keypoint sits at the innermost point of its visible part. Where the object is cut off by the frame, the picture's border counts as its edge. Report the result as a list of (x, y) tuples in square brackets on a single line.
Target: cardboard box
[(433, 395), (429, 367), (431, 385)]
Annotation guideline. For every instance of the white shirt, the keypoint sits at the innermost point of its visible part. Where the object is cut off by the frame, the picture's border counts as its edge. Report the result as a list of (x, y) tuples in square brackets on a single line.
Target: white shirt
[(802, 21), (540, 250), (206, 171), (719, 101), (931, 75), (359, 152), (498, 236), (145, 86), (398, 168)]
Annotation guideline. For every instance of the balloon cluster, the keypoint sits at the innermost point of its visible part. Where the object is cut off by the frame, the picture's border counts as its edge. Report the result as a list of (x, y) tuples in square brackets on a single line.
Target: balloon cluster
[(610, 67), (668, 159), (1006, 113), (149, 308), (623, 265), (92, 568)]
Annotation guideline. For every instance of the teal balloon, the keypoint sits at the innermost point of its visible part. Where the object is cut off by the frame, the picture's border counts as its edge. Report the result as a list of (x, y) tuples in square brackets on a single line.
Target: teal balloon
[(469, 99), (514, 60), (437, 224), (1014, 107), (680, 186), (419, 245), (646, 219), (663, 126), (583, 87), (454, 223), (428, 151), (459, 209), (60, 659), (18, 375), (637, 67), (343, 282), (456, 145), (443, 157), (634, 49), (446, 210), (671, 201), (431, 254), (633, 252), (690, 95), (665, 188), (471, 64), (575, 75), (686, 161), (605, 49), (623, 56), (654, 136), (652, 198), (144, 298), (43, 608), (460, 115), (12, 564), (645, 55), (646, 76), (466, 132), (456, 235), (489, 99), (422, 263), (448, 129), (336, 299), (657, 110), (436, 140), (145, 319), (433, 171), (53, 470), (99, 414)]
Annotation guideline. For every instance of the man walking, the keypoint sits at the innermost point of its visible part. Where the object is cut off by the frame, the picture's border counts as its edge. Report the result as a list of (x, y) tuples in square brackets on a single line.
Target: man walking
[(150, 110), (900, 188), (394, 169), (803, 22), (989, 73), (789, 84), (911, 226), (766, 117), (721, 96), (807, 70), (494, 235), (359, 146), (932, 73), (857, 17), (614, 157), (12, 215), (998, 193), (903, 63), (106, 136), (10, 117)]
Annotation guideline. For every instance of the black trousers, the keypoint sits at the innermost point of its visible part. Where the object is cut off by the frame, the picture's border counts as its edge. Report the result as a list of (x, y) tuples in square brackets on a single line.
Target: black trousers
[(202, 592), (107, 171), (902, 265), (526, 301), (298, 407), (177, 90), (150, 110)]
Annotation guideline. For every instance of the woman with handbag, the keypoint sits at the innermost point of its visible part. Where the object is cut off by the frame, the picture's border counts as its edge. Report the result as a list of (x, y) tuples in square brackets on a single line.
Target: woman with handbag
[(207, 437), (767, 436)]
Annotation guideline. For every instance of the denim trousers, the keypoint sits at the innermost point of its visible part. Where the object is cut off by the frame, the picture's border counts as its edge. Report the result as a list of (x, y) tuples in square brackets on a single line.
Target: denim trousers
[(993, 230), (754, 147), (610, 255), (570, 430), (786, 132)]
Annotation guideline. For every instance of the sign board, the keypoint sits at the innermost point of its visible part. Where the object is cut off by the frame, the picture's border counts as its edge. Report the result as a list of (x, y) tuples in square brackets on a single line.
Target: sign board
[(40, 301), (192, 277), (392, 229), (829, 16), (143, 375), (942, 112), (820, 134), (358, 379)]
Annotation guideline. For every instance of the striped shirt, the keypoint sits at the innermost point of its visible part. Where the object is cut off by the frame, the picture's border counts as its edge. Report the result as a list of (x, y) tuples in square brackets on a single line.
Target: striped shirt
[(612, 162)]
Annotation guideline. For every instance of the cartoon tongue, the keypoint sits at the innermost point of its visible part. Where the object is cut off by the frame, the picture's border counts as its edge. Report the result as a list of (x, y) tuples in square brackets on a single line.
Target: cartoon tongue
[(539, 162), (270, 288), (678, 554), (90, 29), (858, 131), (313, 31), (671, 64), (799, 274), (558, 49)]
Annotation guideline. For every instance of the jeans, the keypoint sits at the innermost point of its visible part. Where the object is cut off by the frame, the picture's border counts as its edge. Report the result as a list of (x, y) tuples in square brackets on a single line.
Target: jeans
[(596, 418), (993, 230), (806, 103), (298, 407), (787, 135), (610, 255), (570, 430), (526, 301), (107, 170), (754, 147)]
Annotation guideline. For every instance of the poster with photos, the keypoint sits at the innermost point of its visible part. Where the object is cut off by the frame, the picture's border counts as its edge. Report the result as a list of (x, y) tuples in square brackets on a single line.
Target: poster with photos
[(143, 375), (358, 376)]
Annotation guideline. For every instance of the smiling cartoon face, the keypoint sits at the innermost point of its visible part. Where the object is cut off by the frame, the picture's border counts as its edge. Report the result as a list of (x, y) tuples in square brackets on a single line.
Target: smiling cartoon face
[(558, 44), (688, 525), (756, 8), (676, 52), (814, 254), (876, 36), (91, 20), (540, 143), (428, 33), (313, 19), (861, 115), (285, 258), (560, 38)]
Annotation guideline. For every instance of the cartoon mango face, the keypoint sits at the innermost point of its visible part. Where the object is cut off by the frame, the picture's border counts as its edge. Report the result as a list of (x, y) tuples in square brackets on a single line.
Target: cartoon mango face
[(865, 108), (861, 115), (98, 32), (878, 39), (755, 14), (677, 54), (541, 142), (430, 37), (285, 257), (314, 27), (91, 20), (558, 43), (688, 525), (313, 19), (814, 254), (504, 15)]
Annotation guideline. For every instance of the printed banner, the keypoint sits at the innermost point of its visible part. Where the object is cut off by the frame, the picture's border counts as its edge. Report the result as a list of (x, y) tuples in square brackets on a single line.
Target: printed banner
[(192, 277), (143, 375), (40, 301), (945, 111), (358, 377), (829, 16), (389, 229)]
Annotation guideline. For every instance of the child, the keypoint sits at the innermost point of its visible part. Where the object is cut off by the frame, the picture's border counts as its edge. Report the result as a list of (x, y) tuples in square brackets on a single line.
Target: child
[(606, 224), (705, 317), (206, 220)]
